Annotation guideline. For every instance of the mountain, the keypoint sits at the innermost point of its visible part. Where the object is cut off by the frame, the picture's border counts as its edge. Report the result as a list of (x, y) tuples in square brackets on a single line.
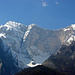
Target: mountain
[(29, 46), (63, 60), (7, 66), (39, 70)]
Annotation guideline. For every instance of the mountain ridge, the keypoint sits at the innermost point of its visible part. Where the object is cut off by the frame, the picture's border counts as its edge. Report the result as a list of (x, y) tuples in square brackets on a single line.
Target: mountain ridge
[(27, 44)]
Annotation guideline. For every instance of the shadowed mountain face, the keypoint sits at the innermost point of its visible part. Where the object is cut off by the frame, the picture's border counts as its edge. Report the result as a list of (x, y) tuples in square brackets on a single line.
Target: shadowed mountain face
[(63, 60), (7, 66), (39, 70)]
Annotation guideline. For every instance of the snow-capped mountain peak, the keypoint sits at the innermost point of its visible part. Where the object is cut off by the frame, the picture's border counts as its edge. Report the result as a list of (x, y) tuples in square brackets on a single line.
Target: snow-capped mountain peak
[(71, 34), (73, 26), (69, 40), (12, 23)]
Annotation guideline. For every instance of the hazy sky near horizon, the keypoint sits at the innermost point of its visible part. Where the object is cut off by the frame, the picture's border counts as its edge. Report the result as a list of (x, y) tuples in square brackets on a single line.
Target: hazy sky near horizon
[(49, 14)]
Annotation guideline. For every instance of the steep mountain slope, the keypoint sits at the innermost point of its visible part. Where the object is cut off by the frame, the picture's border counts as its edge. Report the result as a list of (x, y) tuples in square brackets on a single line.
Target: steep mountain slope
[(31, 45), (63, 60), (7, 66)]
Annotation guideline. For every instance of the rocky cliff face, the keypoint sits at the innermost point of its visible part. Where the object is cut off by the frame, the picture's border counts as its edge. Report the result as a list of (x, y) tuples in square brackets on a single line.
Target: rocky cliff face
[(32, 45), (7, 66), (63, 60)]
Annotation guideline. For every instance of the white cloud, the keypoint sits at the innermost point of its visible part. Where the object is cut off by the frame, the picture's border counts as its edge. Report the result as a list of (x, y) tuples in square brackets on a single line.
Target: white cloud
[(57, 2), (44, 3)]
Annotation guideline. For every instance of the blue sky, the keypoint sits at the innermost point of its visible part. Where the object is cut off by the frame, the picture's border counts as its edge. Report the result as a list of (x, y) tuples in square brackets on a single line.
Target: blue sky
[(49, 14)]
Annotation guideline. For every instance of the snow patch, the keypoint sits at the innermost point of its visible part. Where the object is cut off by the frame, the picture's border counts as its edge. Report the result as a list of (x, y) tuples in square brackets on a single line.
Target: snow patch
[(69, 40), (66, 29), (8, 27), (13, 25), (2, 34), (27, 32), (1, 26), (73, 26), (33, 64)]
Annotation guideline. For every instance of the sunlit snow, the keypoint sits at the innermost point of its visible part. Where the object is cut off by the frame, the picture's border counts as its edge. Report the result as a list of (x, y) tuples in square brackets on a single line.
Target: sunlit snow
[(2, 35), (66, 29), (33, 64), (27, 32)]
